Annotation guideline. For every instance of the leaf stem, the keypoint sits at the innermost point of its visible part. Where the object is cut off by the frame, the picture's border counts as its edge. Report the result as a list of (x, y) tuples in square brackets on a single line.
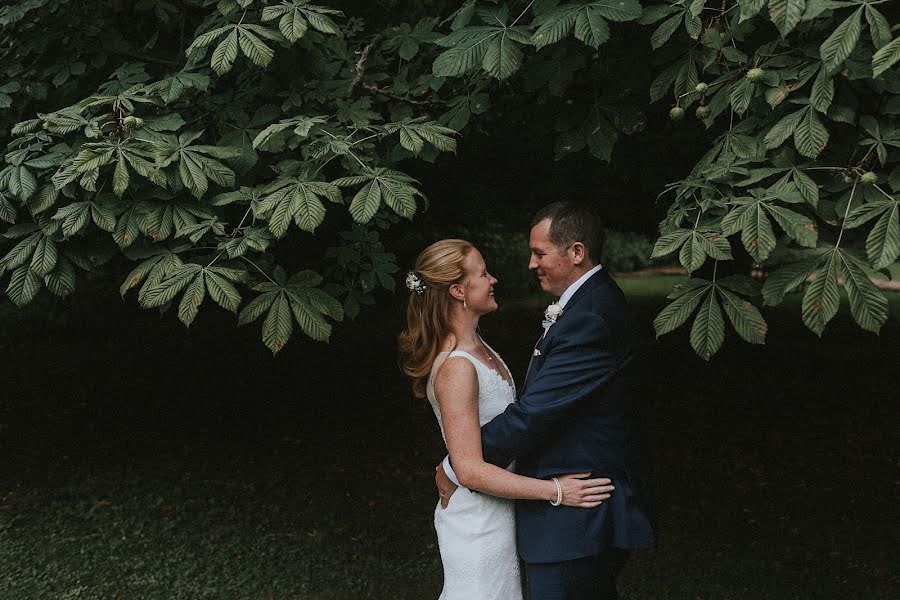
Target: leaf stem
[(886, 195), (255, 266), (241, 224), (521, 14), (334, 137), (846, 212)]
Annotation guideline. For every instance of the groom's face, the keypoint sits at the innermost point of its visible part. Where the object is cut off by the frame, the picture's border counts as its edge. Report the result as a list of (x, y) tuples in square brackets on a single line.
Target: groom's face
[(555, 270)]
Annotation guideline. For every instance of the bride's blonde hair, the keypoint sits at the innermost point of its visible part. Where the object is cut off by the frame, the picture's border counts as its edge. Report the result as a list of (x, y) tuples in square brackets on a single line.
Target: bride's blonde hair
[(439, 266)]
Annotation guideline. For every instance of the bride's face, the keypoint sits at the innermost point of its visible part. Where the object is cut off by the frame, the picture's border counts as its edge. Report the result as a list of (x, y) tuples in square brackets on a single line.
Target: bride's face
[(478, 284)]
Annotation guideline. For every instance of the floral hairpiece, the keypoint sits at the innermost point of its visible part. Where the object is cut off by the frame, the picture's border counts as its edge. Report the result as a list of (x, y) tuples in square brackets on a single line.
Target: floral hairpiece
[(414, 283)]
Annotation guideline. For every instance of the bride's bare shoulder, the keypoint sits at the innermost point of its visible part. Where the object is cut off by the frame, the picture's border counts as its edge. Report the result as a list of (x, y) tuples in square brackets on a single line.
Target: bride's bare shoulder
[(455, 372)]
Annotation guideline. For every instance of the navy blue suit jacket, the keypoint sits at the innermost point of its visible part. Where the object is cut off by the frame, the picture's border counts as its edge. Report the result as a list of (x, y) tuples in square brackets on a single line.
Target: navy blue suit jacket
[(579, 411)]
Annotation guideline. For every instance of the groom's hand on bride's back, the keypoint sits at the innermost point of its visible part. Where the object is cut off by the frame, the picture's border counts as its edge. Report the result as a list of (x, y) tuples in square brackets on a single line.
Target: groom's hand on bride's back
[(444, 485)]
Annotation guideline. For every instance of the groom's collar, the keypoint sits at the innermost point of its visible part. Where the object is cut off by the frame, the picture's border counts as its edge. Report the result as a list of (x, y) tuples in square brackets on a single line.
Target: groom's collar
[(570, 291)]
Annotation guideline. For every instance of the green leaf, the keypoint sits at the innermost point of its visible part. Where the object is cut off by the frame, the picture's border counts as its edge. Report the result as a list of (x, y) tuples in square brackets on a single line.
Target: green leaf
[(366, 202), (665, 31), (810, 135), (879, 28), (320, 22), (822, 91), (266, 136), (7, 210), (222, 291), (410, 140), (311, 321), (883, 242), (750, 8), (590, 27), (820, 303), (254, 49), (786, 279), (687, 77), (746, 318), (715, 246), (757, 234), (807, 187), (192, 175), (21, 252), (309, 212), (24, 284), (786, 14), (74, 217), (463, 15), (655, 13), (663, 82), (783, 129), (325, 303), (22, 183), (61, 282), (165, 291), (465, 55), (555, 27), (503, 57), (120, 177), (225, 53), (278, 326), (617, 10), (676, 313), (292, 26), (801, 228), (204, 40), (741, 94), (104, 216), (693, 25), (192, 299), (842, 41), (45, 257), (256, 307), (399, 198), (885, 58), (708, 331), (868, 305), (44, 199), (692, 255), (670, 242), (696, 7), (137, 275)]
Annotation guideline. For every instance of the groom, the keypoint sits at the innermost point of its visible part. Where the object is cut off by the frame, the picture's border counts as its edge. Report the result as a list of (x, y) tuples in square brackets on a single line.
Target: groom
[(579, 411)]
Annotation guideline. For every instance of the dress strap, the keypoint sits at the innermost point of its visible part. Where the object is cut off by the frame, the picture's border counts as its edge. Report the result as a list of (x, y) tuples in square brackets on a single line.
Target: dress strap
[(466, 355)]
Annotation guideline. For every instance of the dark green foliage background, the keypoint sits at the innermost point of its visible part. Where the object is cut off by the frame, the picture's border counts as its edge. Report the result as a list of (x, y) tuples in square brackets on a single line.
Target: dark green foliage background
[(200, 144)]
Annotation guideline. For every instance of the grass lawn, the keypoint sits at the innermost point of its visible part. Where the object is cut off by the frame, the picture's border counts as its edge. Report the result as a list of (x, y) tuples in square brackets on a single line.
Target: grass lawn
[(140, 460)]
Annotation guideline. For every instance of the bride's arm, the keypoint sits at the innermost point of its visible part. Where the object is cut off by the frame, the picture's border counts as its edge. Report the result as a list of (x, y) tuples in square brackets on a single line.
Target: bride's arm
[(456, 389)]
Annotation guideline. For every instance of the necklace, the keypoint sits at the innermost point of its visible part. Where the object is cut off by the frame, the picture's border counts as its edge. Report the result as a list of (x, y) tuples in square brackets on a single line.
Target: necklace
[(485, 350)]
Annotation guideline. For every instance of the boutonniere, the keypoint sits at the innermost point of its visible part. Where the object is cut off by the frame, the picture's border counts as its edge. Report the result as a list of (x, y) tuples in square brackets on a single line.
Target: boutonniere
[(551, 314)]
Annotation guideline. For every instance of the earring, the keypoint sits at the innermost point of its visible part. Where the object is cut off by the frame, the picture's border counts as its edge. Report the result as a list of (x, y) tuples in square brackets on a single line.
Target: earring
[(465, 306)]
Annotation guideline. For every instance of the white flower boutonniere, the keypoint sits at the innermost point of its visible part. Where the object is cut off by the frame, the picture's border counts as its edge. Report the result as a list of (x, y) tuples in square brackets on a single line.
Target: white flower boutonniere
[(551, 314)]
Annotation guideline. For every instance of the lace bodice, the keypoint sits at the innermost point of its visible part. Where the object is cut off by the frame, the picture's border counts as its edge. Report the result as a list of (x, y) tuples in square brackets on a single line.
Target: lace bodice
[(494, 392)]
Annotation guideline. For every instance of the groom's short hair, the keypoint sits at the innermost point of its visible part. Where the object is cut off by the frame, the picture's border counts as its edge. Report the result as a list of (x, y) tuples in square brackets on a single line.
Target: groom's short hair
[(571, 222)]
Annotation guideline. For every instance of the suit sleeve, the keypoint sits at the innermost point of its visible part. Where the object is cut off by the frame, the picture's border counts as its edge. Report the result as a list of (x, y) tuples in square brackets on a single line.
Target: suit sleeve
[(580, 361)]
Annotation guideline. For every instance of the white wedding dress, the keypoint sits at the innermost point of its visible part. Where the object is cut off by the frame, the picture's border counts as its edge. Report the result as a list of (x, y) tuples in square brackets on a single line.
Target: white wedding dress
[(477, 532)]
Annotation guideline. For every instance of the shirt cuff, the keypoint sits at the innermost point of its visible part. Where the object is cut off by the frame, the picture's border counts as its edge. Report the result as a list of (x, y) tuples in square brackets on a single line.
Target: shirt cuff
[(449, 471)]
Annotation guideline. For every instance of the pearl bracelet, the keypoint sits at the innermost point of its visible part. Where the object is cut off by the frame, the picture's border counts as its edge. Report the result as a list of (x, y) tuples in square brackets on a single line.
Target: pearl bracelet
[(558, 492)]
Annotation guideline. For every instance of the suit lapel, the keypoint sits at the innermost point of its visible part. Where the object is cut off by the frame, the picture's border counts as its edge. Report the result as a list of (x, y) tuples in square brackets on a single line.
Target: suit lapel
[(582, 292)]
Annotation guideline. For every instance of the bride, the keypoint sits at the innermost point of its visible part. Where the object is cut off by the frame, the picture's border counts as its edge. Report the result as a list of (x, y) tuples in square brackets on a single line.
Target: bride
[(468, 384)]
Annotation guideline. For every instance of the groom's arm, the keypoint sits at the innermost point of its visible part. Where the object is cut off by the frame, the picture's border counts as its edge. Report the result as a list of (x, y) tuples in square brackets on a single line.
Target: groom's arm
[(581, 362)]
